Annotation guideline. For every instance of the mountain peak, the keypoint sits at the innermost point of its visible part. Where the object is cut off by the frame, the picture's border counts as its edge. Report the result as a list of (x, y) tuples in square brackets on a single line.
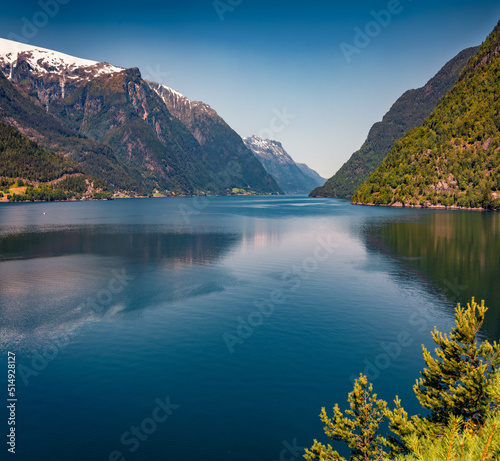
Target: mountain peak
[(180, 105), (174, 92), (44, 61), (168, 143), (268, 148), (265, 143), (292, 178)]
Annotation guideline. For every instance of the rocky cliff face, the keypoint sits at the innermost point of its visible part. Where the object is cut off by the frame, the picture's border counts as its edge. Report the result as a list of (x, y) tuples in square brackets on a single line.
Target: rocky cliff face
[(48, 74), (29, 116), (190, 150), (121, 111), (223, 148)]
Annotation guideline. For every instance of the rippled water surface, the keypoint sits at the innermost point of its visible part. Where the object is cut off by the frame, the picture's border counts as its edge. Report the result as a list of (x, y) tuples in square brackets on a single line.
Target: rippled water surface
[(247, 314)]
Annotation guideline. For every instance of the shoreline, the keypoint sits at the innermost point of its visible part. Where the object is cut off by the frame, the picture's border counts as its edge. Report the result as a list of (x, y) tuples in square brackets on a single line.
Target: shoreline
[(5, 200), (434, 207)]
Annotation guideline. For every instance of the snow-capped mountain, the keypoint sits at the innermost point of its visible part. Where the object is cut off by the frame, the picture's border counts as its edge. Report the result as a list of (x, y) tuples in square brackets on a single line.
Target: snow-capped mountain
[(269, 150), (222, 145), (160, 139), (61, 73), (176, 100), (292, 178), (184, 108), (42, 60)]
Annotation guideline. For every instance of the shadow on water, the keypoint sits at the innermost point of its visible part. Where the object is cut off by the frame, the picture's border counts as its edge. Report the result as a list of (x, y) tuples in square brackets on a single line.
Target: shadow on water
[(61, 279), (134, 242), (456, 252)]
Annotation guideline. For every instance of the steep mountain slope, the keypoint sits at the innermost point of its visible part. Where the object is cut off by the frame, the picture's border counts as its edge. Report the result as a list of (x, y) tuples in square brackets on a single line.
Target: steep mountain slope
[(311, 173), (31, 119), (277, 162), (408, 112), (454, 158), (121, 111), (51, 74), (34, 173), (117, 109), (24, 159), (223, 149)]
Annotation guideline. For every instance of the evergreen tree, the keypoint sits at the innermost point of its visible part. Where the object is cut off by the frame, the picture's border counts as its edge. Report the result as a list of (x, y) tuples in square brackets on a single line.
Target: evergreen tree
[(460, 387), (359, 428), (458, 381), (459, 442)]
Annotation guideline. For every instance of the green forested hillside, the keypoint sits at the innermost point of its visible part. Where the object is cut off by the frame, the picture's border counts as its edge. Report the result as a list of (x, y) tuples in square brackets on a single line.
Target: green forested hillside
[(408, 112), (22, 158), (40, 174), (96, 158), (453, 159)]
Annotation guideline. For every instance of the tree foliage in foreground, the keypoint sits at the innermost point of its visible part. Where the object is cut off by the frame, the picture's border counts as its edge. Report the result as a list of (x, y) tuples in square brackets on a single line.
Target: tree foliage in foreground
[(460, 391), (459, 442)]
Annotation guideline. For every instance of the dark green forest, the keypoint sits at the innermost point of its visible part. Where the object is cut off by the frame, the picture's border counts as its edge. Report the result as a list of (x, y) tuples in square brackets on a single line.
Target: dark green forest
[(453, 159), (408, 112), (46, 176), (22, 158)]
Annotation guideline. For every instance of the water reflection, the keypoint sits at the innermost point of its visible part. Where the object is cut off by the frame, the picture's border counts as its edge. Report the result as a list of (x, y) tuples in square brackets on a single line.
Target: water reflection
[(135, 242), (61, 279), (456, 252), (167, 289)]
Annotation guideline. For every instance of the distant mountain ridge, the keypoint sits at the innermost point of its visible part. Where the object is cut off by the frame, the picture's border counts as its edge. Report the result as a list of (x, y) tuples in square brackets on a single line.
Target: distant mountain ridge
[(453, 159), (291, 177), (311, 173), (408, 112), (222, 146), (119, 127)]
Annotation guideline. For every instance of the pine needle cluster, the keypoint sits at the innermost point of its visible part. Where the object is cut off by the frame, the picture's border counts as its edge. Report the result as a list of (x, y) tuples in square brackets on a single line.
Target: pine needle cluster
[(459, 389)]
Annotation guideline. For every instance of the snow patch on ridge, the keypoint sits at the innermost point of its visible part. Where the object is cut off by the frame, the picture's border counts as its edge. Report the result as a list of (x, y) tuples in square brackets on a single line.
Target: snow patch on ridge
[(44, 61), (170, 96), (176, 93), (266, 148)]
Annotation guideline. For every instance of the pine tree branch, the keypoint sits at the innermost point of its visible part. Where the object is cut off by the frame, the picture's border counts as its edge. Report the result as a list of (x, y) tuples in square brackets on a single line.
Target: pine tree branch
[(488, 442)]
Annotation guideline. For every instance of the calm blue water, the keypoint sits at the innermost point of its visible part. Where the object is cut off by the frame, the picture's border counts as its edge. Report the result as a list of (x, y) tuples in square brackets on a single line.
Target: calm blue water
[(243, 315)]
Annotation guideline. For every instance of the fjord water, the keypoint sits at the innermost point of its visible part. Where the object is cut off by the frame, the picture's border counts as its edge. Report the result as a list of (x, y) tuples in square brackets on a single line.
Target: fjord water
[(248, 313)]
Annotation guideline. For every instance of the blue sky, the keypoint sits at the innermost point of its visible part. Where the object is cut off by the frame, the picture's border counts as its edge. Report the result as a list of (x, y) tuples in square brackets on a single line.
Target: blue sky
[(271, 68)]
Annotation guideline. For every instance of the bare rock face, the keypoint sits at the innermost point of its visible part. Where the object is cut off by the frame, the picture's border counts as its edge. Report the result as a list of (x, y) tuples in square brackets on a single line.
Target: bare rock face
[(50, 74), (222, 145), (160, 139)]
